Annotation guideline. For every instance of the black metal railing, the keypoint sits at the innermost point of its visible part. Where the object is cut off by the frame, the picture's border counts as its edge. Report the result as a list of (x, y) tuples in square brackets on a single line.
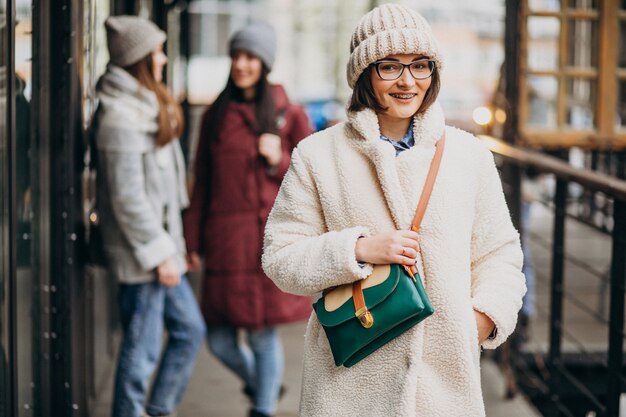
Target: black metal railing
[(591, 207), (582, 381)]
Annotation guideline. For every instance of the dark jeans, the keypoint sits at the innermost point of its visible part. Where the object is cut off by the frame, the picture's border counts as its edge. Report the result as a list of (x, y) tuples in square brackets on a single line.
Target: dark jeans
[(144, 309)]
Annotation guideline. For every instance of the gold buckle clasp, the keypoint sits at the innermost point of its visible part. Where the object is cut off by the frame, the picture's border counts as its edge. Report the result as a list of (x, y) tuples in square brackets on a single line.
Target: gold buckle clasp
[(365, 317)]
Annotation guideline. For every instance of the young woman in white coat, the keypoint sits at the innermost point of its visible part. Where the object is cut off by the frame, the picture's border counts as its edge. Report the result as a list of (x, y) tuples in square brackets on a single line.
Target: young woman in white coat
[(346, 204)]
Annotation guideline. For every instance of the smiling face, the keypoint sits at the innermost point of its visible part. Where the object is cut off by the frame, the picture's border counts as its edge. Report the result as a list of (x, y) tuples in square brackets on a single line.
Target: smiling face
[(245, 70), (159, 59), (402, 97)]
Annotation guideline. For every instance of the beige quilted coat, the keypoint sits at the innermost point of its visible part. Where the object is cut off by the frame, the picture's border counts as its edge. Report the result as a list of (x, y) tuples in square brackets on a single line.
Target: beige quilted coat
[(345, 182)]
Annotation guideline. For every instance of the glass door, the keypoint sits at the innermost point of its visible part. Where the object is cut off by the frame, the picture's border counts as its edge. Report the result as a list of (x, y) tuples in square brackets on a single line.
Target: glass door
[(6, 380), (25, 314)]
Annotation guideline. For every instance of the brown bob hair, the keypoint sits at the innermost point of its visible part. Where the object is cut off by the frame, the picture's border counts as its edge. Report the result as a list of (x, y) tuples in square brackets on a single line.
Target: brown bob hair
[(170, 118), (363, 94)]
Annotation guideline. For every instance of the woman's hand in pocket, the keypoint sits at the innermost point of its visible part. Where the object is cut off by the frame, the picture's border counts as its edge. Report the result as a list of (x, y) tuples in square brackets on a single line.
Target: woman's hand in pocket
[(168, 273), (484, 325)]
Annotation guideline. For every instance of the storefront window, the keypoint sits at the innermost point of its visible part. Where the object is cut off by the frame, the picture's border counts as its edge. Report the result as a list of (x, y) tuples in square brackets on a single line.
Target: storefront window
[(4, 219), (24, 207), (566, 81), (95, 56), (584, 4), (175, 60), (582, 39), (98, 283), (542, 100), (544, 5), (543, 42), (581, 95)]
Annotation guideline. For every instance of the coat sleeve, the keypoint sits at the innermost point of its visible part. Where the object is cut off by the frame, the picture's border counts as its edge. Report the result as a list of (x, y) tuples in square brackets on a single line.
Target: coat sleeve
[(498, 284), (139, 223), (300, 129), (300, 255), (193, 221)]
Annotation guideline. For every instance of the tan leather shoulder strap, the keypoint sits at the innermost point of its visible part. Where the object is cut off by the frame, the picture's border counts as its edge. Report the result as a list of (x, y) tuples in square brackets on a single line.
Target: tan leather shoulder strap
[(428, 184), (360, 309)]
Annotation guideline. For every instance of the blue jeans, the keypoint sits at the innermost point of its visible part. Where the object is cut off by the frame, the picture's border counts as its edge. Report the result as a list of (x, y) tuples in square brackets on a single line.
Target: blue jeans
[(144, 309), (259, 366)]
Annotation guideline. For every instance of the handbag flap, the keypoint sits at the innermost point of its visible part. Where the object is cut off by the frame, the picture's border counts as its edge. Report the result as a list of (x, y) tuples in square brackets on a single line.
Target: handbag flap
[(337, 306), (337, 297)]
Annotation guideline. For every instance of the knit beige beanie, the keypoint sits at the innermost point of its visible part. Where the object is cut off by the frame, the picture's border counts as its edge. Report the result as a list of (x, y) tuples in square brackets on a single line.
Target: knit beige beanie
[(388, 30), (131, 38)]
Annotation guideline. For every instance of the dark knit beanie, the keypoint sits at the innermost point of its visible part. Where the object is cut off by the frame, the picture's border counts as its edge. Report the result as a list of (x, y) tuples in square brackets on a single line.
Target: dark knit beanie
[(259, 39), (131, 38)]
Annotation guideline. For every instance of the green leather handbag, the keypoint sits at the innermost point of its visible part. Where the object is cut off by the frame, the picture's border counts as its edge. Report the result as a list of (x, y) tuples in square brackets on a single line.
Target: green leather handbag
[(361, 317), (394, 305)]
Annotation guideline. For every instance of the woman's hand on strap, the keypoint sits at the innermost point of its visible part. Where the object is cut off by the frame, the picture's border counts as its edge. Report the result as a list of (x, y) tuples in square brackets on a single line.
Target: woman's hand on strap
[(271, 149), (397, 247)]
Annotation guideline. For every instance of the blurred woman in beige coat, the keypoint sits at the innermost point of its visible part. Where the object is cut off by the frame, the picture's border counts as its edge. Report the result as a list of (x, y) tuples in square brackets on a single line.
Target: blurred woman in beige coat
[(346, 204)]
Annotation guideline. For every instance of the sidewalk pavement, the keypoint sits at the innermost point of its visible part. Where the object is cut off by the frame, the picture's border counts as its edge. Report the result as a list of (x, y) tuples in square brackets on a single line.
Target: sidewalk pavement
[(214, 392)]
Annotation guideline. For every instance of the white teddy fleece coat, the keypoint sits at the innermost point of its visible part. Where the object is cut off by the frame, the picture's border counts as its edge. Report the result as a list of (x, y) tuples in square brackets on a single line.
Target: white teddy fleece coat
[(344, 182)]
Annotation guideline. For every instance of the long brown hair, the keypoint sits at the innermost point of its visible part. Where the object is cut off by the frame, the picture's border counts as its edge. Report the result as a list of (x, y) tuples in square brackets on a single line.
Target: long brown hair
[(171, 122)]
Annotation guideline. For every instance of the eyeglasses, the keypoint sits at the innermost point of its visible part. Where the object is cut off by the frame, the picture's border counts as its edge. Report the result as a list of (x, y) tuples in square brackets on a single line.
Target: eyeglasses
[(392, 70)]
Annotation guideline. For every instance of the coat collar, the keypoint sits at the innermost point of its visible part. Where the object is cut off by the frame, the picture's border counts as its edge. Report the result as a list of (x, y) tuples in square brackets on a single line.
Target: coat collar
[(427, 129), (126, 103)]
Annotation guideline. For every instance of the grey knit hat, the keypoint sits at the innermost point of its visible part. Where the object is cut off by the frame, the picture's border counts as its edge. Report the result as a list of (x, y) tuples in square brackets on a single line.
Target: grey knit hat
[(257, 38), (131, 38), (388, 30)]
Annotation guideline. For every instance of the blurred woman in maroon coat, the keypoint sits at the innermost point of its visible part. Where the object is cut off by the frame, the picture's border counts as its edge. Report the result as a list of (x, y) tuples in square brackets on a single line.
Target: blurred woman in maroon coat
[(243, 153)]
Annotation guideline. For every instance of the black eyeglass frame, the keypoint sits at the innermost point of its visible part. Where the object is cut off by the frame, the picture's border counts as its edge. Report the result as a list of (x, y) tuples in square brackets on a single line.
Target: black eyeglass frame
[(431, 64)]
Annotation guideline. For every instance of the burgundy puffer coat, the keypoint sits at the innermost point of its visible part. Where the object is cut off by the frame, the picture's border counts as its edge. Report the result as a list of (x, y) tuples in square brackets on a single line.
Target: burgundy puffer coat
[(232, 197)]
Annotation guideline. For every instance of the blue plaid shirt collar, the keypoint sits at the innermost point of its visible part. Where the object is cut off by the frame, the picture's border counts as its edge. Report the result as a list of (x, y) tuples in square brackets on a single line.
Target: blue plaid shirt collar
[(405, 143)]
